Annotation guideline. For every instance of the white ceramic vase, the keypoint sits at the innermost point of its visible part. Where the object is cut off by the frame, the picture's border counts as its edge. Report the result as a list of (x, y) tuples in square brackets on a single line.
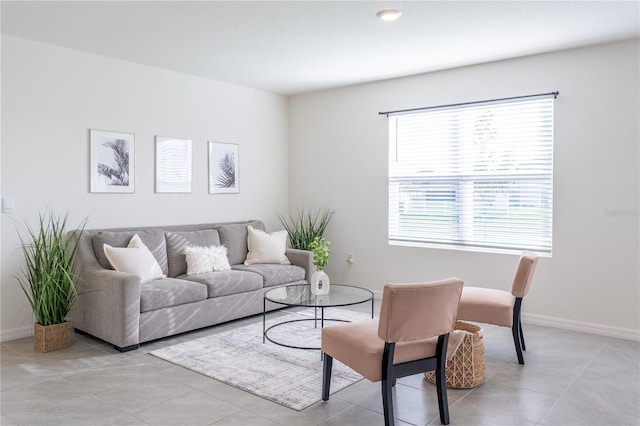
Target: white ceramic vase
[(320, 283)]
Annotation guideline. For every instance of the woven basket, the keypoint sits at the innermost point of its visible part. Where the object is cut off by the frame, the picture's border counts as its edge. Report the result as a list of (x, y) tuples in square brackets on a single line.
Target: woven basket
[(51, 337), (465, 369)]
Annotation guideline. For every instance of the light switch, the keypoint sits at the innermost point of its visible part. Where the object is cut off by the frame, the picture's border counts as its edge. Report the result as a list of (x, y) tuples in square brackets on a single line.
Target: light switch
[(8, 205)]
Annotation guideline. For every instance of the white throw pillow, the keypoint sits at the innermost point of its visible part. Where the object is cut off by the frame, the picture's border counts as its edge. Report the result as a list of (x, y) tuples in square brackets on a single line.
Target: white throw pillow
[(266, 248), (201, 260), (134, 259), (220, 261)]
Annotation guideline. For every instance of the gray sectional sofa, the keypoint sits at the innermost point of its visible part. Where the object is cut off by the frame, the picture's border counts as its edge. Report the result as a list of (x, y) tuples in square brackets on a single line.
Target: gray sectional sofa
[(116, 307)]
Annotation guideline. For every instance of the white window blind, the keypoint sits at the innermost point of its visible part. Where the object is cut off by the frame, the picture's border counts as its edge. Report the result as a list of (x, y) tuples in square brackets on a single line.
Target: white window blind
[(477, 175)]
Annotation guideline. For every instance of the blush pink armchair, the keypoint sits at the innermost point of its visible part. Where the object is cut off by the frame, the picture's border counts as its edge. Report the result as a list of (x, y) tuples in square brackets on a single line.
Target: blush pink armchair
[(501, 307), (409, 337)]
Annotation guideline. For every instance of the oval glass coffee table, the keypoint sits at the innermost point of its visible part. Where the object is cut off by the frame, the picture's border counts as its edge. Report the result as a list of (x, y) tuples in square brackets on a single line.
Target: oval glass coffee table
[(300, 295)]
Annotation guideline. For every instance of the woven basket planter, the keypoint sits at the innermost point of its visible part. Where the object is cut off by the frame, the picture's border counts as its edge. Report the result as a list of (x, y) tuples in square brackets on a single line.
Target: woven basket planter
[(465, 369), (51, 337)]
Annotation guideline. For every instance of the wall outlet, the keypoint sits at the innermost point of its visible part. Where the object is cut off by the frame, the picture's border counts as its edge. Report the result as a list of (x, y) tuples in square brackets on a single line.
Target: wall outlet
[(349, 259)]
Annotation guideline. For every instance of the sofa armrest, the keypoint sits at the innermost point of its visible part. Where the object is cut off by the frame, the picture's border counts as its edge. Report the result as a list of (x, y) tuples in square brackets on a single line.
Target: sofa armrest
[(302, 258), (108, 306)]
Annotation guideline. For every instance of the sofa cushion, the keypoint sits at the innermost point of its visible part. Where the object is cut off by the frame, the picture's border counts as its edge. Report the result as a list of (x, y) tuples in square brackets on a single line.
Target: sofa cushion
[(266, 248), (169, 292), (134, 259), (234, 238), (176, 243), (154, 240), (225, 283), (275, 274)]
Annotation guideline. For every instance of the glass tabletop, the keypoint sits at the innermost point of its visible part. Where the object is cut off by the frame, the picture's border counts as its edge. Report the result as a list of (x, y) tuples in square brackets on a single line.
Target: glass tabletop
[(300, 295)]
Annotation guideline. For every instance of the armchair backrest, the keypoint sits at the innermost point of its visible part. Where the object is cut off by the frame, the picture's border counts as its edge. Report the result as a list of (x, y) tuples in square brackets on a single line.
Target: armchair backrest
[(524, 274), (418, 311)]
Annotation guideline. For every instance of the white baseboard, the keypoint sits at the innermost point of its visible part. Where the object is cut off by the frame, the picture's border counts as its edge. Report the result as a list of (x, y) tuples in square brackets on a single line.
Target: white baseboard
[(16, 333), (581, 326), (567, 324), (561, 323)]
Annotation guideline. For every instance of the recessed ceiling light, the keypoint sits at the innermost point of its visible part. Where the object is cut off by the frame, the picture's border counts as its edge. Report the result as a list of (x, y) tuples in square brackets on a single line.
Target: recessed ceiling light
[(389, 14)]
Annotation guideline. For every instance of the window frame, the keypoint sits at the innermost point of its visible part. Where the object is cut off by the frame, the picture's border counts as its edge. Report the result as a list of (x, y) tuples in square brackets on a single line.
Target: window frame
[(464, 185)]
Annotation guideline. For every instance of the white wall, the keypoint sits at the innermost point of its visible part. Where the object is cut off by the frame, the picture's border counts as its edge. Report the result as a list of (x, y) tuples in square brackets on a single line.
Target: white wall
[(339, 159), (51, 97)]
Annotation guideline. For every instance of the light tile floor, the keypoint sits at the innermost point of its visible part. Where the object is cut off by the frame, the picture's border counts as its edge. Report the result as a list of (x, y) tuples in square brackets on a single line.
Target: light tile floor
[(570, 379)]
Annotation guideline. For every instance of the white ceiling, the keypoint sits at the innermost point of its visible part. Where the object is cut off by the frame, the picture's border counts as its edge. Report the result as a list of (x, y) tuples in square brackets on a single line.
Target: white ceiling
[(292, 47)]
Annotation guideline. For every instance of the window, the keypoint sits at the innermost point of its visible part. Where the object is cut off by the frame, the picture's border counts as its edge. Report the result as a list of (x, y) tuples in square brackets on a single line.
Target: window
[(475, 176)]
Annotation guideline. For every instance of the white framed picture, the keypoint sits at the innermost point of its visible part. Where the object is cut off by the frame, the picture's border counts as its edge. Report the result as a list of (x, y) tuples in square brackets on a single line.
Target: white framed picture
[(112, 161), (174, 165), (223, 168)]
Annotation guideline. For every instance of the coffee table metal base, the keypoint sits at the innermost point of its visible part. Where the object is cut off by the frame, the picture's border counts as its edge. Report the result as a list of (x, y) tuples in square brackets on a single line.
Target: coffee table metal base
[(322, 320), (300, 295)]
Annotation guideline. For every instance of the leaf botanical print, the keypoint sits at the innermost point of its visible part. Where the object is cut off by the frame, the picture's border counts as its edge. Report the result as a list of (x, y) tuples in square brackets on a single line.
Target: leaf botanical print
[(227, 176), (118, 171)]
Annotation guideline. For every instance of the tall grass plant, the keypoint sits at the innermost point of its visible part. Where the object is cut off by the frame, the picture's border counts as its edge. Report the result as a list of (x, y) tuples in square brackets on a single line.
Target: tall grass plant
[(48, 278), (305, 226)]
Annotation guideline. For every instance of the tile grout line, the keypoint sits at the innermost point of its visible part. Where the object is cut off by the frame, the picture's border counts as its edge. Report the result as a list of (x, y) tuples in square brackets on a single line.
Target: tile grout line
[(575, 379)]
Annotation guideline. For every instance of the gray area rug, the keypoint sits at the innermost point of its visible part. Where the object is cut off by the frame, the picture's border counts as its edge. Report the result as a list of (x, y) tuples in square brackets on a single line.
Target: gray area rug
[(287, 376)]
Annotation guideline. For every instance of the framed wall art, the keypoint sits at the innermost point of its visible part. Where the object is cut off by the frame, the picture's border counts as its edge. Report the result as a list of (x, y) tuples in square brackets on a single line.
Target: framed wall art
[(223, 168), (174, 165), (112, 161)]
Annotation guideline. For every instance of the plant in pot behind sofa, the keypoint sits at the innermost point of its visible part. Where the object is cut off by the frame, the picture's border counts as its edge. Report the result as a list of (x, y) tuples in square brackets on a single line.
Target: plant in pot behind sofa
[(48, 279), (305, 227)]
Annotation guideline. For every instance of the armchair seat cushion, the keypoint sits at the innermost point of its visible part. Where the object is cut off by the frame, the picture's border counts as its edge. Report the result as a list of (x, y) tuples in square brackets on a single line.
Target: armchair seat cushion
[(168, 292), (486, 305), (358, 346)]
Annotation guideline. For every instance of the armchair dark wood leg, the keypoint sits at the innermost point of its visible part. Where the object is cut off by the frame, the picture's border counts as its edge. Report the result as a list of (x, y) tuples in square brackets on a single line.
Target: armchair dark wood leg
[(326, 376), (524, 347), (441, 385), (516, 341), (516, 330), (388, 380), (387, 402)]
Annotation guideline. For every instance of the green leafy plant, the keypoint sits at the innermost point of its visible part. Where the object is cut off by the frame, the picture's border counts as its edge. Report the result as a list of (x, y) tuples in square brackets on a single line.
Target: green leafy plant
[(48, 279), (305, 227), (320, 249)]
